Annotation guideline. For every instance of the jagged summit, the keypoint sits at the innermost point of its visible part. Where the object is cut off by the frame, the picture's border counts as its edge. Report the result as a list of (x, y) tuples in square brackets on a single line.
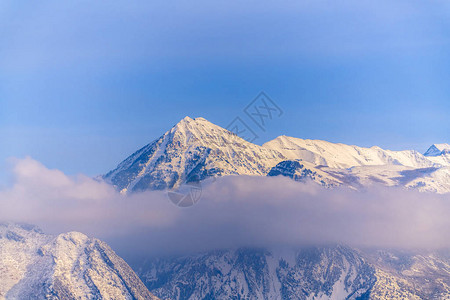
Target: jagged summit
[(438, 149)]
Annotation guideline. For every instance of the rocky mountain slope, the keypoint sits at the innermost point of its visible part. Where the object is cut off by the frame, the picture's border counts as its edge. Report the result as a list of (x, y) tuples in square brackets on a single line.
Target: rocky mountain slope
[(334, 272), (34, 265), (261, 274), (195, 149)]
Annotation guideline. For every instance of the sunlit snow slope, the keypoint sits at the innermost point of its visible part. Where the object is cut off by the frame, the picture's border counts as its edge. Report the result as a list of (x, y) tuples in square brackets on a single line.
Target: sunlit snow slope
[(34, 265), (195, 149)]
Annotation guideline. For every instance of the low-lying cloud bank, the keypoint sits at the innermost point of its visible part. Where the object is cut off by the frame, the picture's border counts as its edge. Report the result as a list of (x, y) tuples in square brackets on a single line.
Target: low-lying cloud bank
[(233, 212)]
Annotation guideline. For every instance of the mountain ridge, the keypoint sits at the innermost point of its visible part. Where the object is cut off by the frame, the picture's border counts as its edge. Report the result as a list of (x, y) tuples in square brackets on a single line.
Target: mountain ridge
[(311, 272), (438, 149), (195, 149)]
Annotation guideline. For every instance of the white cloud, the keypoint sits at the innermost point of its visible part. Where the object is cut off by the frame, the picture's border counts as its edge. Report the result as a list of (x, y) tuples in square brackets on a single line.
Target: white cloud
[(233, 211)]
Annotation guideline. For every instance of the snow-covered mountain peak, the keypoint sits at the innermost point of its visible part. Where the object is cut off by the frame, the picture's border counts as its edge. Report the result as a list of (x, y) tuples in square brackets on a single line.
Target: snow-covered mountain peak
[(199, 131), (187, 119), (73, 238), (193, 148), (438, 149), (34, 265), (198, 128)]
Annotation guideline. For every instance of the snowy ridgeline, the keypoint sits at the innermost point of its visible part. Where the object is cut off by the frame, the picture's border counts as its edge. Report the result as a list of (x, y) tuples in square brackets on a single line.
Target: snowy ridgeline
[(197, 149), (34, 265), (308, 273)]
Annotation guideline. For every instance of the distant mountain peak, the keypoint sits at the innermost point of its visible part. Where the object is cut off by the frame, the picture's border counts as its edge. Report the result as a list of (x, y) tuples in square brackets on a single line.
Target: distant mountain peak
[(438, 149), (192, 148), (188, 119), (194, 125)]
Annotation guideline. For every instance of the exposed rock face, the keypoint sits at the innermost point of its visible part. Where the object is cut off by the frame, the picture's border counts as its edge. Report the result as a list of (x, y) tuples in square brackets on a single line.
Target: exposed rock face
[(34, 265), (302, 171)]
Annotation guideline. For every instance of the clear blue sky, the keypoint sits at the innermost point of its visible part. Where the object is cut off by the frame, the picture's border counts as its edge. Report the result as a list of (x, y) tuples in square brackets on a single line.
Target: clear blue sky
[(85, 83)]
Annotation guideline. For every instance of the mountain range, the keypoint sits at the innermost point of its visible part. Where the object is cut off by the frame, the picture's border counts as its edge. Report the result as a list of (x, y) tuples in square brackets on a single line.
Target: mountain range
[(34, 265), (332, 272), (195, 149), (71, 265)]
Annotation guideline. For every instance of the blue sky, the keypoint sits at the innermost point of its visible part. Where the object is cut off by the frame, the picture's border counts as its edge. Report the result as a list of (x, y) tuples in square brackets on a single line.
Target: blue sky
[(85, 83)]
